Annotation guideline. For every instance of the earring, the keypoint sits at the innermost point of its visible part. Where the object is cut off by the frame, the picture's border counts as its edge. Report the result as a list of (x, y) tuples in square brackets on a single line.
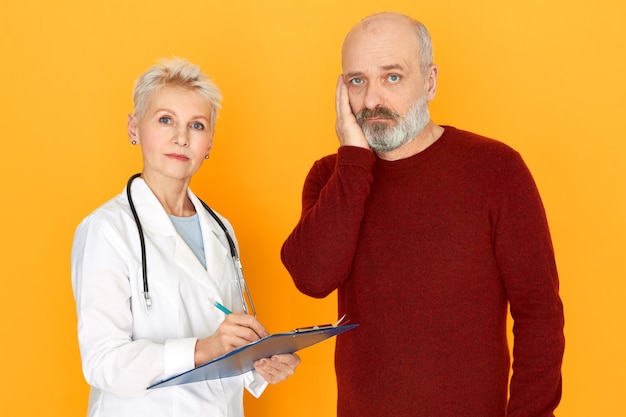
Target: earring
[(206, 156), (134, 142)]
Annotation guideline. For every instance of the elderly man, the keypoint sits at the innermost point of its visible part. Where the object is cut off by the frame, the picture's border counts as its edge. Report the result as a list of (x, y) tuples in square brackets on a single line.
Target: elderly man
[(429, 233)]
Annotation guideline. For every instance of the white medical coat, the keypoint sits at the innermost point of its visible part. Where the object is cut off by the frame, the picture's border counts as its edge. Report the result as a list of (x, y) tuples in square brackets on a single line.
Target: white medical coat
[(124, 348)]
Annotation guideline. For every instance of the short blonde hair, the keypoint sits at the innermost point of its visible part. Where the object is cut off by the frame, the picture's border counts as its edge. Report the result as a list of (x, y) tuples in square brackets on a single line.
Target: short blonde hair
[(175, 72)]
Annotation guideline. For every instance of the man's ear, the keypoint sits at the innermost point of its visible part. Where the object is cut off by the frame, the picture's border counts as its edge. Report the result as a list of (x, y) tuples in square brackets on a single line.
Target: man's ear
[(430, 85)]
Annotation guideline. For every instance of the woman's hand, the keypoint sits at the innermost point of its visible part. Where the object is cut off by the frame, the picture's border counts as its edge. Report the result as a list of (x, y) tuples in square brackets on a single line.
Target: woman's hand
[(236, 330), (278, 367)]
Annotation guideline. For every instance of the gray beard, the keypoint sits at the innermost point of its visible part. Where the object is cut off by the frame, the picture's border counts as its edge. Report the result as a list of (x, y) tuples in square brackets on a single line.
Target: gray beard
[(384, 138)]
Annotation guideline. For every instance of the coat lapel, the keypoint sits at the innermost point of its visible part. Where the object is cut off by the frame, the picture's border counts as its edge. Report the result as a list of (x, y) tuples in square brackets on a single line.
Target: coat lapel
[(156, 222)]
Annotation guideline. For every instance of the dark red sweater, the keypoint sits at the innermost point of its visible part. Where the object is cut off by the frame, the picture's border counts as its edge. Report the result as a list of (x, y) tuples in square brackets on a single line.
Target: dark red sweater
[(426, 253)]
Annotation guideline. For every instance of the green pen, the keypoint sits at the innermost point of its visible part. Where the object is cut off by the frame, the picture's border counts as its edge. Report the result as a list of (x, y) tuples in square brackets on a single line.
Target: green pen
[(219, 306)]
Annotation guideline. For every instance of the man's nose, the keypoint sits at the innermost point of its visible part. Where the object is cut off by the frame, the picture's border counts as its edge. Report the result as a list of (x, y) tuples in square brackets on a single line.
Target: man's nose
[(373, 96)]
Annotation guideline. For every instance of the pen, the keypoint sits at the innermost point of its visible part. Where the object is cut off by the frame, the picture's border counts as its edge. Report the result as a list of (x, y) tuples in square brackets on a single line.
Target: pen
[(219, 306), (318, 327)]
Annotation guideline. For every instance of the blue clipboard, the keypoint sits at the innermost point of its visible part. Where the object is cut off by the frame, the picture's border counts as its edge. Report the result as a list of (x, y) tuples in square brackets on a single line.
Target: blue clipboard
[(241, 360)]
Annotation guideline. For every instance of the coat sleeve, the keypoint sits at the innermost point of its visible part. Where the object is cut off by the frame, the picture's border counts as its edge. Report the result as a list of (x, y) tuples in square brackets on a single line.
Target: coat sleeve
[(318, 253), (112, 360), (526, 260)]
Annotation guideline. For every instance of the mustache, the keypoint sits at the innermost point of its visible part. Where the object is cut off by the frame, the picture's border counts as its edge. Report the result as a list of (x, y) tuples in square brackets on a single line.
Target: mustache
[(378, 112)]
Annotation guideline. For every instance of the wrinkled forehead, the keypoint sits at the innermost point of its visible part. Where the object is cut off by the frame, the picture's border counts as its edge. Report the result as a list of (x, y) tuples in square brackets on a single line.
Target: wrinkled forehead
[(381, 42)]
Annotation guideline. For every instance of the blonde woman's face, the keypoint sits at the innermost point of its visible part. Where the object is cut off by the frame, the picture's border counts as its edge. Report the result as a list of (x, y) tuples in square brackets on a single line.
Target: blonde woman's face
[(174, 133)]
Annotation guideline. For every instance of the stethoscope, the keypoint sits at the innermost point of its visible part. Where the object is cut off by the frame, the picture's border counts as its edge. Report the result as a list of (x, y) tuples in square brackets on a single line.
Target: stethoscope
[(241, 281)]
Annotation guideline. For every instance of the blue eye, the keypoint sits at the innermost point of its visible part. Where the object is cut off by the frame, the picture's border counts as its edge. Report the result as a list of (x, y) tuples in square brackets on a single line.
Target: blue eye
[(165, 120), (356, 81), (394, 78), (197, 126)]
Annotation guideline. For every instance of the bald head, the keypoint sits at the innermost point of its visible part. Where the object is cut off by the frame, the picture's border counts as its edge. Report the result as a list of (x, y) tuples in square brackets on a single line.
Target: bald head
[(393, 30)]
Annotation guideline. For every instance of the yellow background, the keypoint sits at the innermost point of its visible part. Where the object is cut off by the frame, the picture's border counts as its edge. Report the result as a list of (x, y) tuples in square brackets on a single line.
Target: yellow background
[(546, 77)]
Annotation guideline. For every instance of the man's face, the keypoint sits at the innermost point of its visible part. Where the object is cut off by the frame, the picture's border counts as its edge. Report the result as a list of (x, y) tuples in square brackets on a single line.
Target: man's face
[(388, 93)]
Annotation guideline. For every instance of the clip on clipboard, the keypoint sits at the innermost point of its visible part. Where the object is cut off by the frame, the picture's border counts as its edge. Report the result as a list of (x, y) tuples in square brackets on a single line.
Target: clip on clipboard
[(241, 359)]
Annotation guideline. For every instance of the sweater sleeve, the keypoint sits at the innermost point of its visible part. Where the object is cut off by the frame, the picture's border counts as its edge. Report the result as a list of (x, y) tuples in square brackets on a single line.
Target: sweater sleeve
[(526, 259), (319, 252)]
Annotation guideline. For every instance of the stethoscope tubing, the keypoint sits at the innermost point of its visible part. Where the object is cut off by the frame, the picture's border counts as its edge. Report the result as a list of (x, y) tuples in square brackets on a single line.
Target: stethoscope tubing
[(142, 243)]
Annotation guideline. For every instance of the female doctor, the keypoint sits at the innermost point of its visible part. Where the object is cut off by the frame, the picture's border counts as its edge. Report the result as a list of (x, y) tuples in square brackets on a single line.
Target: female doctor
[(136, 330)]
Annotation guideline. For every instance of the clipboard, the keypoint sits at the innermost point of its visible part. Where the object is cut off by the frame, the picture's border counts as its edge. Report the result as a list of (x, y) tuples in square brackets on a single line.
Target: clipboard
[(241, 359)]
